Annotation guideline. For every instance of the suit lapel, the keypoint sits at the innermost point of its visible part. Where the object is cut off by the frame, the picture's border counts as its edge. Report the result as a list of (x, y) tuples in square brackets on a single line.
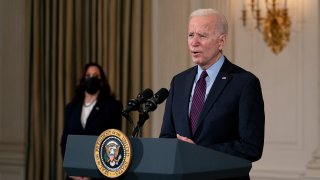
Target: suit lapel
[(219, 84), (186, 93), (94, 112)]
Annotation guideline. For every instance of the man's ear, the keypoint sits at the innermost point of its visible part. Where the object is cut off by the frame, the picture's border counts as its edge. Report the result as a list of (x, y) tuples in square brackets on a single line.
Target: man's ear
[(222, 41)]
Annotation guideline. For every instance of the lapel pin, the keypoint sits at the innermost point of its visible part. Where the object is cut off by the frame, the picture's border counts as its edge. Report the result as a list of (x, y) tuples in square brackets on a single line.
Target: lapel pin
[(224, 77), (97, 108)]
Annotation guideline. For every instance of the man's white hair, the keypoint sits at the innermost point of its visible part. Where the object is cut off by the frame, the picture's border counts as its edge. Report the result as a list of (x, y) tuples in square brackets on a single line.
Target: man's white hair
[(222, 25)]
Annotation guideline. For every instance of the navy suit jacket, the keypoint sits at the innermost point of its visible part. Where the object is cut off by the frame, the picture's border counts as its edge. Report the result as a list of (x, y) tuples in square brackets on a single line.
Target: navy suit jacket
[(106, 114), (232, 119)]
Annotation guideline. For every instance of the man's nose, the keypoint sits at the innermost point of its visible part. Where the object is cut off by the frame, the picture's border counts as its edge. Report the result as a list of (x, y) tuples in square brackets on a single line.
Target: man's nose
[(195, 41)]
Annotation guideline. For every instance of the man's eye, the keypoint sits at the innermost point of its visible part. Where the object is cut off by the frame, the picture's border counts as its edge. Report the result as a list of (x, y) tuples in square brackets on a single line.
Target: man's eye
[(190, 35)]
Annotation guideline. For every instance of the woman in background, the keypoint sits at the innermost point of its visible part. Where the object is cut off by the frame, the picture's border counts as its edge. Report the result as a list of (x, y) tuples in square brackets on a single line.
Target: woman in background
[(93, 109)]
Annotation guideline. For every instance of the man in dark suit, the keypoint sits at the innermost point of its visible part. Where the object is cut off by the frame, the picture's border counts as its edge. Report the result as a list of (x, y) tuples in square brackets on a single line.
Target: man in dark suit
[(227, 115)]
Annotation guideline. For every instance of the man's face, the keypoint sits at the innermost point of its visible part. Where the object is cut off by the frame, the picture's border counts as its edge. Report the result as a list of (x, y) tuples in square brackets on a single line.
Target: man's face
[(205, 43)]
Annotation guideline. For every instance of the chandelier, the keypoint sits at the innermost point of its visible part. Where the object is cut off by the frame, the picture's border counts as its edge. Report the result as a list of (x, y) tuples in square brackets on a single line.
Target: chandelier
[(275, 26)]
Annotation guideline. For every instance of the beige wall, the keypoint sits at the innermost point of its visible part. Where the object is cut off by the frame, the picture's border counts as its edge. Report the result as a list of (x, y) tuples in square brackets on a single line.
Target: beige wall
[(290, 84), (290, 80), (13, 78)]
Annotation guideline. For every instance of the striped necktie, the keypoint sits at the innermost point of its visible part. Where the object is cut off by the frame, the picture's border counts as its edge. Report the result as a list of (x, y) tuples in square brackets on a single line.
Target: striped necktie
[(198, 100)]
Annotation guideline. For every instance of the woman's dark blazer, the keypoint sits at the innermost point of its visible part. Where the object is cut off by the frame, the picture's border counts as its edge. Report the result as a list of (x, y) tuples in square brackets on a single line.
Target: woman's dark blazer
[(105, 114)]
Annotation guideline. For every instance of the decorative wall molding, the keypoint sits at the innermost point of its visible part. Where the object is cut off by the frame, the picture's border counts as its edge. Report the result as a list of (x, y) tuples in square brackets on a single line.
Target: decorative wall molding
[(313, 166), (12, 161), (13, 87), (12, 154), (8, 172), (276, 174), (290, 93)]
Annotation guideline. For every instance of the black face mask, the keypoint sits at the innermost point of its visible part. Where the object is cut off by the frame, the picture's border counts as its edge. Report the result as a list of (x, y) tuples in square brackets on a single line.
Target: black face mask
[(92, 84)]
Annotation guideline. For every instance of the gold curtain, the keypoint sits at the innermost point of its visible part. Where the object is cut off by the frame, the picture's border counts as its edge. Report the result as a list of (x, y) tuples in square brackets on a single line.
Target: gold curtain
[(64, 36)]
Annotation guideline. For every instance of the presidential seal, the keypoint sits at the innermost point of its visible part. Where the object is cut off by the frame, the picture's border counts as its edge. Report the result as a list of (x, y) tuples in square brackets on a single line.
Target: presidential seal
[(112, 153)]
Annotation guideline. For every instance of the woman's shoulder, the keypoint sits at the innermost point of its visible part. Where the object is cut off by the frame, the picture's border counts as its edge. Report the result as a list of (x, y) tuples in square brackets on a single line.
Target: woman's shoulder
[(71, 104), (111, 101)]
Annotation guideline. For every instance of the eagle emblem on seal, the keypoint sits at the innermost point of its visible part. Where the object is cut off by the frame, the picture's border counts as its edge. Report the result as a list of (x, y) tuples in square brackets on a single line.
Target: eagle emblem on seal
[(112, 153)]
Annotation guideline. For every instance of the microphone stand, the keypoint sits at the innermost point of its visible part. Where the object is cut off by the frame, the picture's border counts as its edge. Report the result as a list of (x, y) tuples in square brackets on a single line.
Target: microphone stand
[(142, 118), (128, 118)]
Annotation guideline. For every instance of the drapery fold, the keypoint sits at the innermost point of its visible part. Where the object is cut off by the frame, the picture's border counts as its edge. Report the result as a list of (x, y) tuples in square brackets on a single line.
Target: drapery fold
[(64, 36)]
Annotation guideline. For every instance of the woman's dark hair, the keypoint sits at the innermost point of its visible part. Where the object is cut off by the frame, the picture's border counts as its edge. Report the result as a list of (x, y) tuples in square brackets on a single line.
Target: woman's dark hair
[(105, 91)]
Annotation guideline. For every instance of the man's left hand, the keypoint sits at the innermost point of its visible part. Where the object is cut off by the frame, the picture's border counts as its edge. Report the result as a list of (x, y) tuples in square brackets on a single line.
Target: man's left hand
[(185, 139)]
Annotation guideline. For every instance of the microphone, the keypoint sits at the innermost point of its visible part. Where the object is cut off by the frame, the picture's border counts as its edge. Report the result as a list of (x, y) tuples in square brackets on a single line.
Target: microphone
[(158, 98), (150, 105), (134, 104)]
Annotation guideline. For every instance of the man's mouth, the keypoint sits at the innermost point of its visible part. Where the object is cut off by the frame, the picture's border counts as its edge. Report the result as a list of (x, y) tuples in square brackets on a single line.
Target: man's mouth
[(195, 53)]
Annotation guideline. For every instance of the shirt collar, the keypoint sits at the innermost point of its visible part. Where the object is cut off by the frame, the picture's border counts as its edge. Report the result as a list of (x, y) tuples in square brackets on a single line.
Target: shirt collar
[(213, 70)]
